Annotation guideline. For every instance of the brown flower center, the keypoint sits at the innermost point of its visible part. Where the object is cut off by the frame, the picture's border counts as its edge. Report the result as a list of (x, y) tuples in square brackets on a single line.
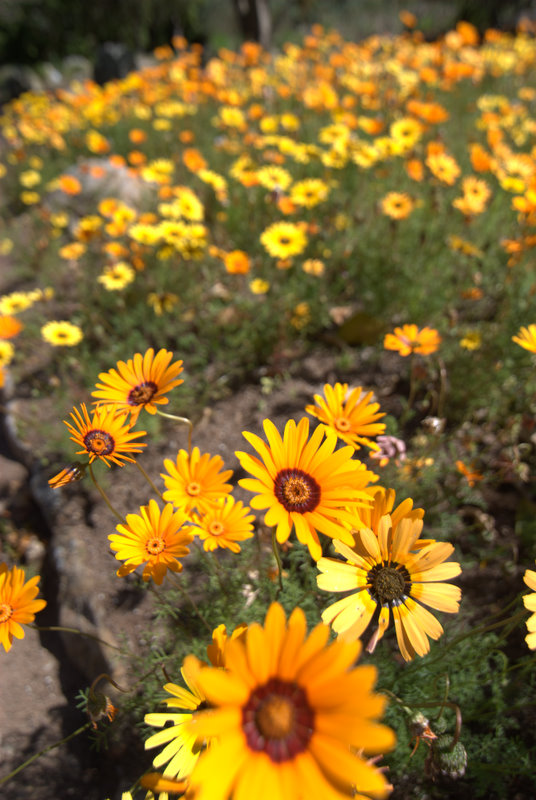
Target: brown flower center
[(216, 528), (193, 489), (6, 612), (296, 490), (155, 545), (343, 424), (100, 443), (388, 583), (278, 720), (142, 393)]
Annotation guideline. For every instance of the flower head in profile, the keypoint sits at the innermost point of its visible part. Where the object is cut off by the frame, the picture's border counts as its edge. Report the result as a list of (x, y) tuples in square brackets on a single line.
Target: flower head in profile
[(529, 601), (62, 333), (304, 483), (224, 524), (105, 435), (389, 571), (409, 339), (471, 474), (140, 382), (291, 714), (526, 338), (71, 474), (18, 605), (195, 480), (154, 538), (353, 417), (181, 750)]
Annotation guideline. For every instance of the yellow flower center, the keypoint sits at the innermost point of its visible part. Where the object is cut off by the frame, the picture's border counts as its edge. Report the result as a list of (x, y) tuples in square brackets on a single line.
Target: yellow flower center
[(343, 424), (193, 489), (100, 443), (6, 612), (140, 395), (275, 718), (155, 545), (216, 528)]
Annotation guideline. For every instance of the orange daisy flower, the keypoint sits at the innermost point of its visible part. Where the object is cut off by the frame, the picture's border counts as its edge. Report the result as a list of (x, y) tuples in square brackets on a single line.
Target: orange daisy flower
[(195, 481), (397, 205), (18, 605), (303, 483), (156, 537), (9, 326), (353, 417), (105, 436), (409, 339), (225, 524), (141, 382)]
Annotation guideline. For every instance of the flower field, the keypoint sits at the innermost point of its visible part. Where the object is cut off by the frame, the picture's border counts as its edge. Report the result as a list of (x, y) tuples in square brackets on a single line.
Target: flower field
[(364, 626)]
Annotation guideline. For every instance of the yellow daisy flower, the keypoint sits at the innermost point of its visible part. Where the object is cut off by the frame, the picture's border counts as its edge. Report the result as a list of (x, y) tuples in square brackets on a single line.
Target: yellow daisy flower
[(391, 572), (18, 605), (117, 276), (16, 302), (225, 524), (195, 481), (181, 751), (7, 351), (156, 537), (526, 337), (289, 713), (284, 239), (105, 436), (529, 601), (141, 382), (352, 416), (62, 333), (303, 483), (309, 192)]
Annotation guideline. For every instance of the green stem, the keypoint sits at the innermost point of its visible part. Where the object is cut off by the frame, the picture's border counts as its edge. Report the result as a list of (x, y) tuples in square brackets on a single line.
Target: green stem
[(42, 752), (412, 382), (149, 481), (184, 420), (475, 632), (104, 495), (278, 560), (192, 602), (74, 630), (213, 565), (442, 387)]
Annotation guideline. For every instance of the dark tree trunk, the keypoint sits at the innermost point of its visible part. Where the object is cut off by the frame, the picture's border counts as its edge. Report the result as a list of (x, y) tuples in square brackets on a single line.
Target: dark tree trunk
[(255, 20)]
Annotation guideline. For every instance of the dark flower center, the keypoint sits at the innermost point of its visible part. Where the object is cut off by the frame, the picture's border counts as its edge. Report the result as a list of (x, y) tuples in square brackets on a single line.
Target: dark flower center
[(193, 489), (6, 612), (142, 393), (296, 490), (99, 442), (389, 584), (155, 545), (278, 720)]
